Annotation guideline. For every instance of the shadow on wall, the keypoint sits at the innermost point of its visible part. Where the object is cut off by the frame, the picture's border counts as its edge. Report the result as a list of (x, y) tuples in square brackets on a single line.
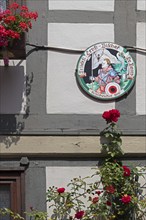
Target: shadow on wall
[(9, 124), (11, 89), (15, 88)]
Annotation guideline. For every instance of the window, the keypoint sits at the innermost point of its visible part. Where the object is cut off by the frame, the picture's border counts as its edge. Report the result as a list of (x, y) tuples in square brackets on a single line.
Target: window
[(12, 191)]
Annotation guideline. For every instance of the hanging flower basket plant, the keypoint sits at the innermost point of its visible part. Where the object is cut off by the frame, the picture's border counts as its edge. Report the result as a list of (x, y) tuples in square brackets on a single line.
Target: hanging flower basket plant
[(14, 23)]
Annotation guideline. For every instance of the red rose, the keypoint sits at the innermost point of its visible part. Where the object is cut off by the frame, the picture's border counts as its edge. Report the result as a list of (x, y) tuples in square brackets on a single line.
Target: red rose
[(60, 190), (126, 199), (127, 171), (108, 203), (79, 214), (110, 189), (98, 192), (111, 115), (95, 200), (106, 115), (115, 114)]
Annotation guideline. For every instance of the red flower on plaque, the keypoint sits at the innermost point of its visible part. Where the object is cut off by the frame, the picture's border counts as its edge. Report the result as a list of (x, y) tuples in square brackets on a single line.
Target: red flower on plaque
[(79, 214), (61, 190), (127, 171), (126, 199)]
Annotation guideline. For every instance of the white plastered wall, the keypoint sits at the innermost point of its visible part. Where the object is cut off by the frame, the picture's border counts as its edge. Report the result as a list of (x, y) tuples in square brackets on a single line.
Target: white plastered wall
[(141, 71), (95, 5), (141, 5), (63, 94), (61, 176)]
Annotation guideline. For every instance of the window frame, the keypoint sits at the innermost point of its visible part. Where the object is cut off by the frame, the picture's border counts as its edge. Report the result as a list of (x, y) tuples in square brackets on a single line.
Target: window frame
[(15, 179)]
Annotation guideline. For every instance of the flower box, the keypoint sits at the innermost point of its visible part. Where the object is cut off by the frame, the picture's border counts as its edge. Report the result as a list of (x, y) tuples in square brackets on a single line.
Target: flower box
[(15, 49), (14, 23)]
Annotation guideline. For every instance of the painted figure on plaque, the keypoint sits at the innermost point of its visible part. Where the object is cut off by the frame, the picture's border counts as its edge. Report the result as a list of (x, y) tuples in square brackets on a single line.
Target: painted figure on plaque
[(106, 75), (106, 71)]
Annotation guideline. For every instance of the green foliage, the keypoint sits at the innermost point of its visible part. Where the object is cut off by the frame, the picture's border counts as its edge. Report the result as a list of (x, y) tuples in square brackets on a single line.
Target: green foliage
[(37, 215), (108, 203), (8, 212), (33, 214), (111, 141)]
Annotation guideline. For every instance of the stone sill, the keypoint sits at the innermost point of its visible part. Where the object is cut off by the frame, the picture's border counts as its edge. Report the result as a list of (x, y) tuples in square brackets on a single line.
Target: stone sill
[(65, 146)]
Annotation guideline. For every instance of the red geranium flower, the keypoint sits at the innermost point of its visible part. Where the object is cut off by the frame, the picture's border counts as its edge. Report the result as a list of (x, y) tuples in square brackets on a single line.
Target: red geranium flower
[(23, 25), (7, 12), (33, 15), (14, 5), (25, 14), (127, 171), (10, 18), (60, 190), (95, 199), (110, 189), (24, 8), (79, 214), (13, 34), (126, 199)]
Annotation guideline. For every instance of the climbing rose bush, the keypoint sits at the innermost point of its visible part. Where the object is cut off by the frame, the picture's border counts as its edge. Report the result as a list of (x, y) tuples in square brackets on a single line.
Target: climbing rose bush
[(113, 194)]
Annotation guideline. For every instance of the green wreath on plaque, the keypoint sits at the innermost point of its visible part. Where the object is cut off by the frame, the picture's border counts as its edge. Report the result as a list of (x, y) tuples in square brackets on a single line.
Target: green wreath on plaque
[(106, 71)]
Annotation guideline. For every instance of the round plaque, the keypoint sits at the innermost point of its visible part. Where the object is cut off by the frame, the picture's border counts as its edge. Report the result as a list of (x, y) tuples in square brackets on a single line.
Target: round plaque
[(106, 71)]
